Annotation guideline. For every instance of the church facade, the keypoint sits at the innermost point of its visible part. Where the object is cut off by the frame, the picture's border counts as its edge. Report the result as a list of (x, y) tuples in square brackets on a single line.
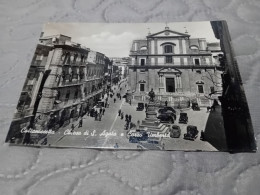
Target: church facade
[(176, 67)]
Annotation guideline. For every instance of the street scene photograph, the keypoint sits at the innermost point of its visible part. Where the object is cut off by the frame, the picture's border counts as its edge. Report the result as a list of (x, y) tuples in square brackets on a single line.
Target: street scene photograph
[(135, 86)]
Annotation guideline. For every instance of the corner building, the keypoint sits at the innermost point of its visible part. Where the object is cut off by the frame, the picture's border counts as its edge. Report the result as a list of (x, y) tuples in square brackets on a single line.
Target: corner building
[(178, 68)]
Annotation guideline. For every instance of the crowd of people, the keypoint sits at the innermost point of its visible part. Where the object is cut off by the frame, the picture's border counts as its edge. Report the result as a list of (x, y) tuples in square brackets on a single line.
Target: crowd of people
[(98, 111)]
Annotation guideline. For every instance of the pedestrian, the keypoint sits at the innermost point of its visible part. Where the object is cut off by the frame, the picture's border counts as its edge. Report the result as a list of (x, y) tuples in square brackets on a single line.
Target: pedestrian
[(107, 104), (138, 124), (122, 115), (116, 145), (100, 110), (96, 115), (130, 117), (72, 127), (104, 111), (99, 116), (126, 125), (146, 106), (114, 100), (130, 102), (119, 112), (126, 117), (80, 122), (120, 96), (166, 103)]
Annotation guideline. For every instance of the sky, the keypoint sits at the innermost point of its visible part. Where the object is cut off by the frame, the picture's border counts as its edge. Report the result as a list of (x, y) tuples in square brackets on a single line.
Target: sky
[(115, 39)]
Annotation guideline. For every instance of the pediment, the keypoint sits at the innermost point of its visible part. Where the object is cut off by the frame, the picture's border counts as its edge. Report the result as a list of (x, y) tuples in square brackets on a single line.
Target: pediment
[(168, 33), (169, 71)]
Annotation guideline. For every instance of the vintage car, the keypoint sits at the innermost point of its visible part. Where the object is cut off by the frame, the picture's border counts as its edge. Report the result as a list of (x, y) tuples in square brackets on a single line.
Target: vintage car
[(167, 117), (183, 118), (175, 131), (140, 106), (192, 133), (195, 106), (168, 110)]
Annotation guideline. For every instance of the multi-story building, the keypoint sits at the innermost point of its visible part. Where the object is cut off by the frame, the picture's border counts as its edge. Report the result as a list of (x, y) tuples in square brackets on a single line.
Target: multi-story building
[(63, 92), (177, 67), (237, 120), (25, 111), (122, 65), (95, 83), (63, 80)]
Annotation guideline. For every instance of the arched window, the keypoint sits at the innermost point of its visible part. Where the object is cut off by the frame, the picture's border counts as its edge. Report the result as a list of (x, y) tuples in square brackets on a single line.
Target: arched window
[(167, 49), (143, 48), (200, 85)]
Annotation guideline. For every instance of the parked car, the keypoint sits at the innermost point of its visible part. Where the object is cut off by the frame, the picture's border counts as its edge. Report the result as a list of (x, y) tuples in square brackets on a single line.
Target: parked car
[(192, 133), (167, 110), (140, 106), (183, 118), (167, 117), (175, 131), (195, 106)]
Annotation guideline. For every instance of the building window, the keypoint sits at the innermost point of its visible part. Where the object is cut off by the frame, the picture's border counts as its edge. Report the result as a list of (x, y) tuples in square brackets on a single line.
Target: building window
[(58, 95), (212, 90), (141, 87), (200, 89), (197, 61), (167, 49), (76, 94), (168, 59), (67, 95)]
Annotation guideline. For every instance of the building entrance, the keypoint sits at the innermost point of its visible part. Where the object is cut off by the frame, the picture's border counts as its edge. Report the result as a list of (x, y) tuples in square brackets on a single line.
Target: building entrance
[(170, 85)]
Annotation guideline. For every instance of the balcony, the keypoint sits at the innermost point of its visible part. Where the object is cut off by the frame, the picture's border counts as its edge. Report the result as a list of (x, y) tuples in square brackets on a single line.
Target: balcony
[(23, 113), (139, 52)]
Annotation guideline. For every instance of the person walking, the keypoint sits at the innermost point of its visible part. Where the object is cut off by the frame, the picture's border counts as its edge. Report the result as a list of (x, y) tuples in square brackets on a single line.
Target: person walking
[(126, 117), (138, 124), (72, 127), (122, 115), (116, 145), (80, 122), (119, 112), (166, 103), (130, 117), (114, 100), (108, 104), (103, 110)]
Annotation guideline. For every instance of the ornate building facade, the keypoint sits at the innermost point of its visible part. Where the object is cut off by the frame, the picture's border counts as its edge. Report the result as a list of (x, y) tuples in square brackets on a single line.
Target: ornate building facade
[(175, 66), (63, 80)]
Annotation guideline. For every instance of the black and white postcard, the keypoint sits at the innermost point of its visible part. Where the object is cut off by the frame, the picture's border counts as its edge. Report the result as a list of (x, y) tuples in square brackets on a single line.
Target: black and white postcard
[(141, 86)]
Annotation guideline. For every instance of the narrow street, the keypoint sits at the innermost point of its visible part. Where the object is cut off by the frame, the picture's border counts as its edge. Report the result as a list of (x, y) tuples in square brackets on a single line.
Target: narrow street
[(110, 122)]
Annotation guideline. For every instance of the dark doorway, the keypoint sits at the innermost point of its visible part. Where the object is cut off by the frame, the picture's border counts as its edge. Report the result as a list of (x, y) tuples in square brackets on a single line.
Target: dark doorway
[(141, 87), (170, 85), (142, 62)]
